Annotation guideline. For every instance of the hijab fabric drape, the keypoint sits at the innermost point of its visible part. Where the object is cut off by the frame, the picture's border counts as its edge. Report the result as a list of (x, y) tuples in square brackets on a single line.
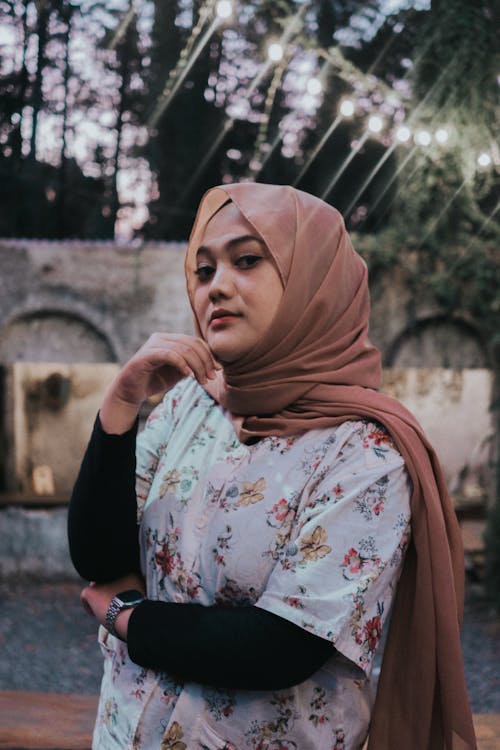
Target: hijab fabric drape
[(315, 367)]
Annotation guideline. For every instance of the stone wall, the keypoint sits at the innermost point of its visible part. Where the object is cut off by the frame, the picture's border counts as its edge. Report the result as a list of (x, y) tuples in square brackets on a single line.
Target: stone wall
[(88, 302), (71, 302)]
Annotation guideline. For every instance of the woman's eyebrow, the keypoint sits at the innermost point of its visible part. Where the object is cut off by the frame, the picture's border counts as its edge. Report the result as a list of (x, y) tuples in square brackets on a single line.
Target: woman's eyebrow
[(205, 250)]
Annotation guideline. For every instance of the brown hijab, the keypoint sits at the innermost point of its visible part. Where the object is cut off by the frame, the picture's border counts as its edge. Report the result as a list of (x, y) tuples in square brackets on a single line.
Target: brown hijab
[(315, 367)]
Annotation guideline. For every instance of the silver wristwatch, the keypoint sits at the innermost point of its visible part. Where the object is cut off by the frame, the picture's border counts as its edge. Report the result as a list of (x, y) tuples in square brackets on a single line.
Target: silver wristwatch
[(123, 600)]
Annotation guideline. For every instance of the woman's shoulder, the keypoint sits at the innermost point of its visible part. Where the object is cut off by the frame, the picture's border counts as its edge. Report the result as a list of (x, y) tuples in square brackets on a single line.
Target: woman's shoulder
[(363, 441)]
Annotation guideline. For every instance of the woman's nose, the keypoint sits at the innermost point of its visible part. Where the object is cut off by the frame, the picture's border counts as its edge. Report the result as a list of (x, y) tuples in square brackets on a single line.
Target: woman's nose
[(221, 283)]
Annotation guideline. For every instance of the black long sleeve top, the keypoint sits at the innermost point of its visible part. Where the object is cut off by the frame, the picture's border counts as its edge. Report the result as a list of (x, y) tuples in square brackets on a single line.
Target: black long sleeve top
[(238, 648)]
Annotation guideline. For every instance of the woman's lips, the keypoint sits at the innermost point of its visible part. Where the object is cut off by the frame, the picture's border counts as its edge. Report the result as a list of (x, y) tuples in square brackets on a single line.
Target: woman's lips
[(222, 320)]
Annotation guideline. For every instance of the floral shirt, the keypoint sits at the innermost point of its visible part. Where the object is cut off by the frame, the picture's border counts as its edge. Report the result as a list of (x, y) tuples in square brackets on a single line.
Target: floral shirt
[(312, 528)]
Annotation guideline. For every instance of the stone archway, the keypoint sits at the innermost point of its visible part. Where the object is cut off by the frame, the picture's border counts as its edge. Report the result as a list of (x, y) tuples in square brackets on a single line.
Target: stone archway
[(438, 342), (439, 370), (53, 336)]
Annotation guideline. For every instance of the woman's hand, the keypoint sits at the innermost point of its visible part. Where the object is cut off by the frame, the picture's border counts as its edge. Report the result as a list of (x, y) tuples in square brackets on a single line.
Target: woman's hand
[(96, 598), (159, 364)]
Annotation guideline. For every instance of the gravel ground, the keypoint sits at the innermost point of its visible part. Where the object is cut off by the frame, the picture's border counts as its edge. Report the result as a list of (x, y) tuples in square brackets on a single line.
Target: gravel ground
[(48, 643)]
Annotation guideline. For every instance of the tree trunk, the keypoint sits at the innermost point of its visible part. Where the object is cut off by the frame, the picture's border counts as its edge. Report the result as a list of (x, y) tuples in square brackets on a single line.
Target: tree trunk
[(43, 13), (63, 171)]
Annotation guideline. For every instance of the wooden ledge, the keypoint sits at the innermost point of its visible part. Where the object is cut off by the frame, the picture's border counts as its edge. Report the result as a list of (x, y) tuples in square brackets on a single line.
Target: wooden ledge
[(32, 501), (56, 721), (46, 721)]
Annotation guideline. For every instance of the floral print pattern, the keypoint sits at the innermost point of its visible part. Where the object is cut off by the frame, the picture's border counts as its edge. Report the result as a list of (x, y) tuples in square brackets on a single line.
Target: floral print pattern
[(311, 527), (172, 739)]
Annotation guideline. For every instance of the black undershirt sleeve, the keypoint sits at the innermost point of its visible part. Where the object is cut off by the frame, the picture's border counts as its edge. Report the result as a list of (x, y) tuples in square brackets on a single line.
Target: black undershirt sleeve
[(102, 517), (234, 648)]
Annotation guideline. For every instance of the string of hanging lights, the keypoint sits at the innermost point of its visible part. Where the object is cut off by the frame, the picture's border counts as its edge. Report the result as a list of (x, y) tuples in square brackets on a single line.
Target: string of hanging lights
[(411, 133)]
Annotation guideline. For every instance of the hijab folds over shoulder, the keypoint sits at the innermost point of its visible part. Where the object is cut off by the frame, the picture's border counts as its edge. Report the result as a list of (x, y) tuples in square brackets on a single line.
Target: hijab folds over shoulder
[(315, 367)]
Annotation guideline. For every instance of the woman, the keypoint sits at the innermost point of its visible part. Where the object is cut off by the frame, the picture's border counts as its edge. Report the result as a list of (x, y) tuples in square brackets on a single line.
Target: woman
[(280, 499)]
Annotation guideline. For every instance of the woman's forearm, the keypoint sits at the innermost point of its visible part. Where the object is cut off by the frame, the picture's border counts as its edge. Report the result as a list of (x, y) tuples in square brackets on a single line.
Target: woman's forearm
[(233, 648)]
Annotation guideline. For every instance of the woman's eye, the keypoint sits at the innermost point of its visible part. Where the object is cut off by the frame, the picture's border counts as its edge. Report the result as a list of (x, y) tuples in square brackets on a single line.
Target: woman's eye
[(204, 272), (248, 261)]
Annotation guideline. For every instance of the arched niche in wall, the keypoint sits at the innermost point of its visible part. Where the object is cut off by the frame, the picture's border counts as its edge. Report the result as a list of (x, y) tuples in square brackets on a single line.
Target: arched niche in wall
[(53, 336), (439, 370), (438, 342)]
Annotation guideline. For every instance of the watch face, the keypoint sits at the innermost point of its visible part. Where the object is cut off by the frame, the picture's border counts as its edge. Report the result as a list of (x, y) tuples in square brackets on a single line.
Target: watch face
[(130, 597)]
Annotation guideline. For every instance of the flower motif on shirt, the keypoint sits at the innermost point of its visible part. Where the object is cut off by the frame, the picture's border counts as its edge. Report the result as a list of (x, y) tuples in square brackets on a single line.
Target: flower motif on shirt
[(270, 735), (251, 493), (280, 509), (170, 690), (224, 499), (377, 439), (170, 481), (165, 555), (282, 445), (371, 502), (368, 635), (339, 740), (223, 544), (120, 659), (231, 594), (168, 562), (110, 712), (314, 456), (361, 561), (220, 703), (319, 706), (171, 740), (200, 439), (293, 601), (331, 497), (313, 545), (403, 526)]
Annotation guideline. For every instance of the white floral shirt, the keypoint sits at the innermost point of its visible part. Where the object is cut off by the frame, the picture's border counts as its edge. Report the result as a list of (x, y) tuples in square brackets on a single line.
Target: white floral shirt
[(312, 528)]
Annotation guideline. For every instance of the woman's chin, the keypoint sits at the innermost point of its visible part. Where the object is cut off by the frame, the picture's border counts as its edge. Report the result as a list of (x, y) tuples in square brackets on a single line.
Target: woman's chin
[(225, 352)]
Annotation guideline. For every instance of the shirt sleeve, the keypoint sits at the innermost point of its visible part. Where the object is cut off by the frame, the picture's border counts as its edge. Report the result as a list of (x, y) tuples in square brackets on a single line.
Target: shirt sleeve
[(337, 576), (151, 443)]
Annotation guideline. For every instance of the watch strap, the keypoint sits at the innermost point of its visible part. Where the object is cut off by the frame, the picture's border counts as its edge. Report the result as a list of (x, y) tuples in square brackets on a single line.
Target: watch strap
[(121, 601)]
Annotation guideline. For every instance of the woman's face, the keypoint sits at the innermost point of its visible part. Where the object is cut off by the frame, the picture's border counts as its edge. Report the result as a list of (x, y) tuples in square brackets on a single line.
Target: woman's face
[(237, 289)]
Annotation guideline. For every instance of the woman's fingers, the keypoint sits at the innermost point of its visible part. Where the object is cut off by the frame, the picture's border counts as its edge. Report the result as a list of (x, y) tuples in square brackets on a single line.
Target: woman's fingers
[(185, 353), (158, 365)]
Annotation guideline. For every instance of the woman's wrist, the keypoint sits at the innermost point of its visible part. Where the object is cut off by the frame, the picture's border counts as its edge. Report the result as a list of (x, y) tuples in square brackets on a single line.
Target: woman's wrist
[(117, 416), (121, 623)]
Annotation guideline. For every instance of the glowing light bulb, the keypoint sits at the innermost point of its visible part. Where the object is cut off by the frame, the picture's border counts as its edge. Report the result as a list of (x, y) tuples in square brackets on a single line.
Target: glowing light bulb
[(314, 86), (423, 137), (403, 133), (375, 124), (224, 9), (275, 51), (441, 135), (484, 159), (347, 108)]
